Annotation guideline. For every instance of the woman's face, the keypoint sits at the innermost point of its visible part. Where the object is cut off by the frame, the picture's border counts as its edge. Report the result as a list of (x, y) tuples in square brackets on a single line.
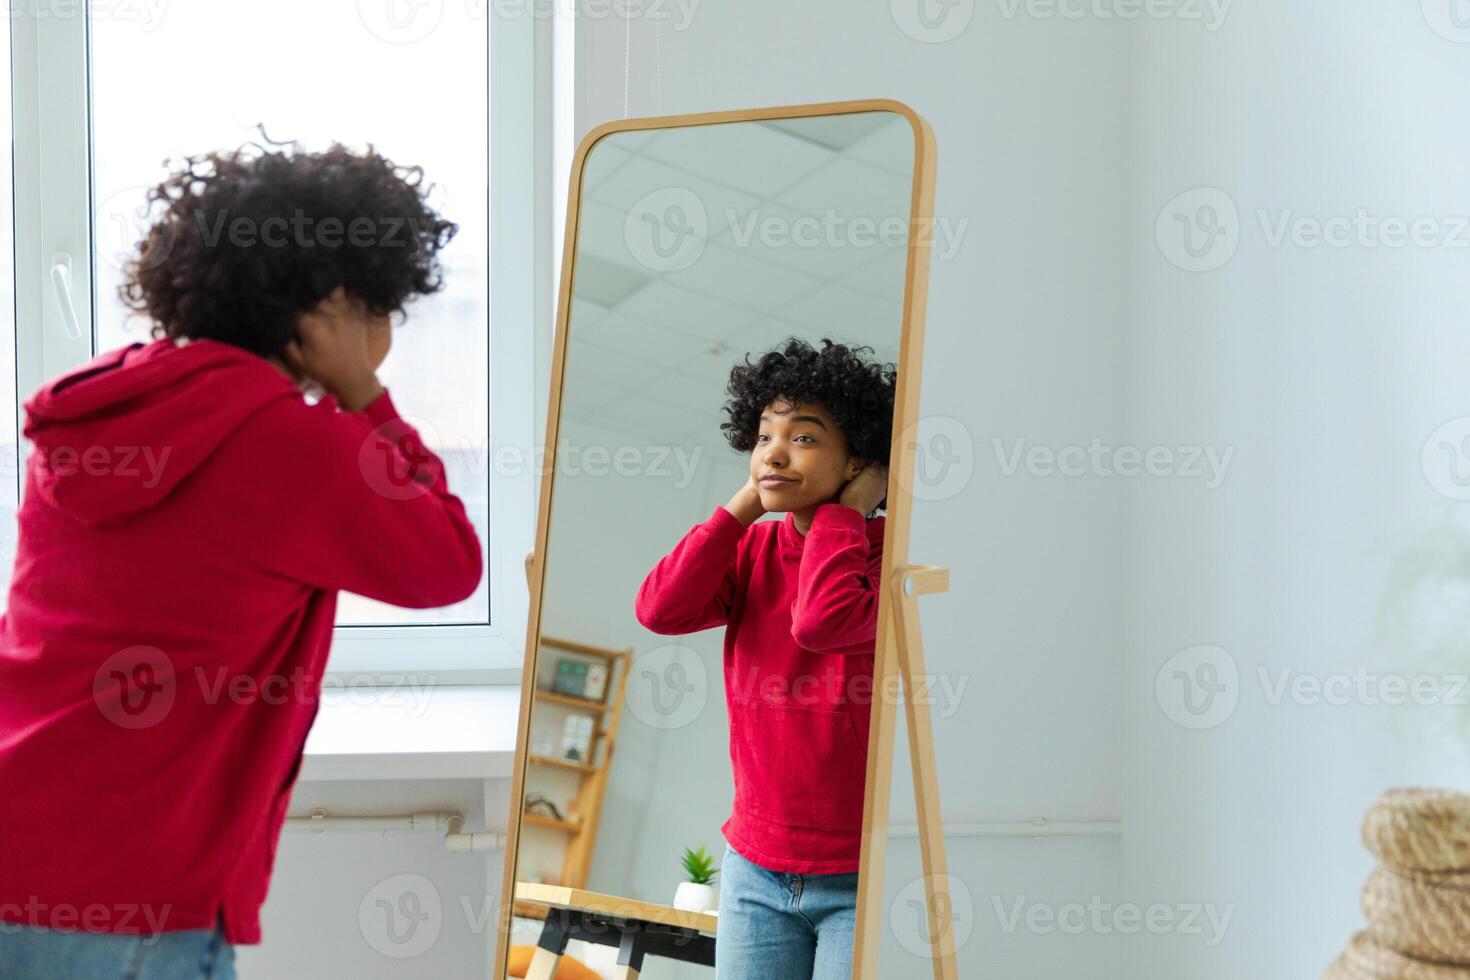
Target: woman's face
[(800, 457), (380, 339)]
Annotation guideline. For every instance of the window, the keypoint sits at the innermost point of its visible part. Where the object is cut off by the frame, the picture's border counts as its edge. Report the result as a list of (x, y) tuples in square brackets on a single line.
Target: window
[(9, 409), (331, 91), (121, 88)]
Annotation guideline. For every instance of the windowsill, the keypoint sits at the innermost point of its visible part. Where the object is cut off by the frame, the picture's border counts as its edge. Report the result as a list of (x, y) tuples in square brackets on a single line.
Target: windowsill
[(438, 733)]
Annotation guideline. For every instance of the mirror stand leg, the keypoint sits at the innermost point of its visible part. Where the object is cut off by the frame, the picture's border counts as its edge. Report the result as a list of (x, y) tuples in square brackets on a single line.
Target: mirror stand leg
[(926, 579)]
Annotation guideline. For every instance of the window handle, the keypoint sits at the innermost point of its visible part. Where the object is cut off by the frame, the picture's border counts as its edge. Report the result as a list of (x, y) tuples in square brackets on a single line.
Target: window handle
[(61, 282)]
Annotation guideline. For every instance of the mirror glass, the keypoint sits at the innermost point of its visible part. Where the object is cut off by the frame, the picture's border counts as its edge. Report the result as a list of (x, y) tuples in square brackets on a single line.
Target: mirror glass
[(699, 251)]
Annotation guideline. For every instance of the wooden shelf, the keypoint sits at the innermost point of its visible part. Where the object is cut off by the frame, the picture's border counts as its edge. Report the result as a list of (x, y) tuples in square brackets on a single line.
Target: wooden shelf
[(537, 820), (570, 701), (584, 806), (601, 653), (551, 760)]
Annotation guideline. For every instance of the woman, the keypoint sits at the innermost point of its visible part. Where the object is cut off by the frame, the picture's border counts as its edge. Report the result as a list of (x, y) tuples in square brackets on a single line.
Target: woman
[(188, 520)]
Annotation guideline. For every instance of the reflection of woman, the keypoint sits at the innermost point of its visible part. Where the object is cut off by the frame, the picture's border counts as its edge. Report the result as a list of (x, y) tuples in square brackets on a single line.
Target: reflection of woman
[(799, 600)]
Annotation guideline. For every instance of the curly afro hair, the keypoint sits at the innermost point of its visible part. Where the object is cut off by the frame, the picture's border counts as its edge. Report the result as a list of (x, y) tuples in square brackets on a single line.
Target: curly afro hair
[(855, 390), (247, 240)]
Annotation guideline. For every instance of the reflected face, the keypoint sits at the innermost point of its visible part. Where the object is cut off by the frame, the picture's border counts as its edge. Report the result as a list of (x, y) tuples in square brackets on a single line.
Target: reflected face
[(800, 457)]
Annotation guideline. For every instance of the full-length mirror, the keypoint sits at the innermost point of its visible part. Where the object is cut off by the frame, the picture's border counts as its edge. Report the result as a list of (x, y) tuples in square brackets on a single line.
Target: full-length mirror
[(692, 789)]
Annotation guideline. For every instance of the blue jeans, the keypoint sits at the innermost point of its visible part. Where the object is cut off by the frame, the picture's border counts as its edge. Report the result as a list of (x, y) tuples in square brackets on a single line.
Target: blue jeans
[(34, 953), (780, 926)]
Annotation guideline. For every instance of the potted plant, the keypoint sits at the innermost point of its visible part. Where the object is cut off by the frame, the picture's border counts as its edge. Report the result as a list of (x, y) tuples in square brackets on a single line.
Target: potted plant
[(697, 894)]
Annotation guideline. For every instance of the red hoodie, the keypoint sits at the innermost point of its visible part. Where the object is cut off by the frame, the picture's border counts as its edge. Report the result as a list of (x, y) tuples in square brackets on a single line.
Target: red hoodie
[(800, 617), (187, 522)]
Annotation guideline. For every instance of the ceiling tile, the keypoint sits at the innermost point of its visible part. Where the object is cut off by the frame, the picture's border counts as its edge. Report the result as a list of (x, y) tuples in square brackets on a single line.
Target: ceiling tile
[(835, 132), (604, 160), (883, 275), (694, 314), (605, 283), (586, 363), (660, 346), (743, 278), (890, 146), (641, 177), (756, 159), (854, 190), (799, 242), (850, 317)]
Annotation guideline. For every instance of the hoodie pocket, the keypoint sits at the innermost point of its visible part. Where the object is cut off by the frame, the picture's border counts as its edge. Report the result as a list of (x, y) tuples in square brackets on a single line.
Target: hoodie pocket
[(797, 766)]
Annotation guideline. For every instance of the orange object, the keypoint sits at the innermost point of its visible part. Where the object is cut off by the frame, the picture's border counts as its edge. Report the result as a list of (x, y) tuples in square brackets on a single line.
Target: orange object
[(568, 968)]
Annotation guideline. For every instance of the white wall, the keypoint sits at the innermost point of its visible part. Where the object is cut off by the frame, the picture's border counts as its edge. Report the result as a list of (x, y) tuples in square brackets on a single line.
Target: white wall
[(320, 918), (670, 785), (655, 804), (1327, 369)]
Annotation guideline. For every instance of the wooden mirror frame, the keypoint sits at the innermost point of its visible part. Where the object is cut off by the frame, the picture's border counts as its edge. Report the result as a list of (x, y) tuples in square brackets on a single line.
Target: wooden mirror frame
[(886, 677)]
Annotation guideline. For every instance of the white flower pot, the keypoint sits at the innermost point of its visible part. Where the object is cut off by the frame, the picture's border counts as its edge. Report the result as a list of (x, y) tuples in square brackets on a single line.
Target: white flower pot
[(696, 898)]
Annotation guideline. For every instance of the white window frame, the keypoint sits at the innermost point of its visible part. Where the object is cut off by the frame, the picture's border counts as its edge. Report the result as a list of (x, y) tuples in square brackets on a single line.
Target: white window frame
[(53, 217)]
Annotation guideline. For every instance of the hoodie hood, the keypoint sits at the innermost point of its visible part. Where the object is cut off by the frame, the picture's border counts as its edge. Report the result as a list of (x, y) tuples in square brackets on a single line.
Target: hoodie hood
[(117, 435)]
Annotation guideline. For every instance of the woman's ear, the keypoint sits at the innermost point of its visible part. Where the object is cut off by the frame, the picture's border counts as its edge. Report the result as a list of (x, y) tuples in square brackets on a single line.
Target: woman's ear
[(854, 467)]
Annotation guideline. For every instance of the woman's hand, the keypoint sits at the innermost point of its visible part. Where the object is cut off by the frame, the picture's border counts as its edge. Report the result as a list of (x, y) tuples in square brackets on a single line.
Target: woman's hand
[(746, 504), (866, 491), (335, 350)]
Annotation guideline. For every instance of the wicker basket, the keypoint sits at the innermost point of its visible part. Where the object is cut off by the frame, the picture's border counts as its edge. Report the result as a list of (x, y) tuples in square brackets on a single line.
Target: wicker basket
[(1365, 958), (1420, 829), (1425, 914), (1341, 969)]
